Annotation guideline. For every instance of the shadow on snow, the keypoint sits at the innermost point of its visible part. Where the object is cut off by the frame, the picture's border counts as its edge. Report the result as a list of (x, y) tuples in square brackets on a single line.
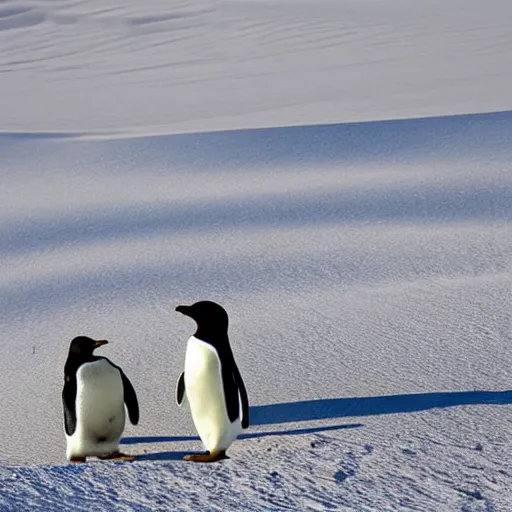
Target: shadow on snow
[(311, 410), (252, 435), (271, 148), (178, 455)]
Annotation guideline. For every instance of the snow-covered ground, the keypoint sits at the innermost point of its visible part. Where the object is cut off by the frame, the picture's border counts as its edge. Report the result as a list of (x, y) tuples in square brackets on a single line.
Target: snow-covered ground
[(159, 153), (176, 65)]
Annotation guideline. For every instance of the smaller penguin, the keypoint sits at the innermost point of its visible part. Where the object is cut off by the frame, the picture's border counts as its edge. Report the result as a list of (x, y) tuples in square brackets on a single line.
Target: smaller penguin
[(94, 394), (212, 382)]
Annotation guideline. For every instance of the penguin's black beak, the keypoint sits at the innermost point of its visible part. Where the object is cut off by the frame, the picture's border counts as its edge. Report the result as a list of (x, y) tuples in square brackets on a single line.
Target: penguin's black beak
[(184, 310), (99, 343)]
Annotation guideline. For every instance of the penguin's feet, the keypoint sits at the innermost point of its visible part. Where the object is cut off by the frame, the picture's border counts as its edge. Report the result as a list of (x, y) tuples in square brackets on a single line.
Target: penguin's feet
[(117, 456), (206, 457), (77, 460)]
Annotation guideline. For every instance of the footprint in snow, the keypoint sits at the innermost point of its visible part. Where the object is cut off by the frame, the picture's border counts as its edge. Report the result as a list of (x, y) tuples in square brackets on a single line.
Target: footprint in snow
[(342, 475), (368, 449)]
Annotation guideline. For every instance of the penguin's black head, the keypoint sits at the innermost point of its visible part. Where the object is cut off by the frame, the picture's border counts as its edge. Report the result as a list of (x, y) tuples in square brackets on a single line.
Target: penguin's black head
[(211, 319), (82, 346)]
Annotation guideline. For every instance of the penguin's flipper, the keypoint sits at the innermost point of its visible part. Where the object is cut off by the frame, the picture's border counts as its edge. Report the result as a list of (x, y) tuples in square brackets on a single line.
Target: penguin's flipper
[(130, 399), (180, 389), (230, 391), (69, 403), (242, 394)]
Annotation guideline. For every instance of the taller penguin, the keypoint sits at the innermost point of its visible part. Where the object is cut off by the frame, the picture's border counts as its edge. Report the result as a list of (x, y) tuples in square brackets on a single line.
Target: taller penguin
[(212, 382), (94, 394)]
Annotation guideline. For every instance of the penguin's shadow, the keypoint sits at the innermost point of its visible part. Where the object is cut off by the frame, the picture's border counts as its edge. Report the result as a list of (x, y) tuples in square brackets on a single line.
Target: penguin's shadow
[(161, 456), (330, 408), (314, 410), (178, 455)]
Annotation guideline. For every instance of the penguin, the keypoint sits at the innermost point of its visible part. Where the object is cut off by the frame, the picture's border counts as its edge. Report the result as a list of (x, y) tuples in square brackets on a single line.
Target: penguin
[(95, 391), (212, 382)]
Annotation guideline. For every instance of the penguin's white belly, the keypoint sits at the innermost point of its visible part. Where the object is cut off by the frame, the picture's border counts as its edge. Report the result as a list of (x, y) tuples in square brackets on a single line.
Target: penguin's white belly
[(205, 392), (100, 415)]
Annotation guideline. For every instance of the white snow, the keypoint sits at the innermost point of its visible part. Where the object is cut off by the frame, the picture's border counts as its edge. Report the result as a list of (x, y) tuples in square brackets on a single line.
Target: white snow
[(154, 154), (171, 65)]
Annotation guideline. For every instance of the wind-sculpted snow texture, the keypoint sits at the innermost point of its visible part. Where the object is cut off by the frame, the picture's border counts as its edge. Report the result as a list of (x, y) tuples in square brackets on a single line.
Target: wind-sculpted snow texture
[(366, 266), (127, 66)]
